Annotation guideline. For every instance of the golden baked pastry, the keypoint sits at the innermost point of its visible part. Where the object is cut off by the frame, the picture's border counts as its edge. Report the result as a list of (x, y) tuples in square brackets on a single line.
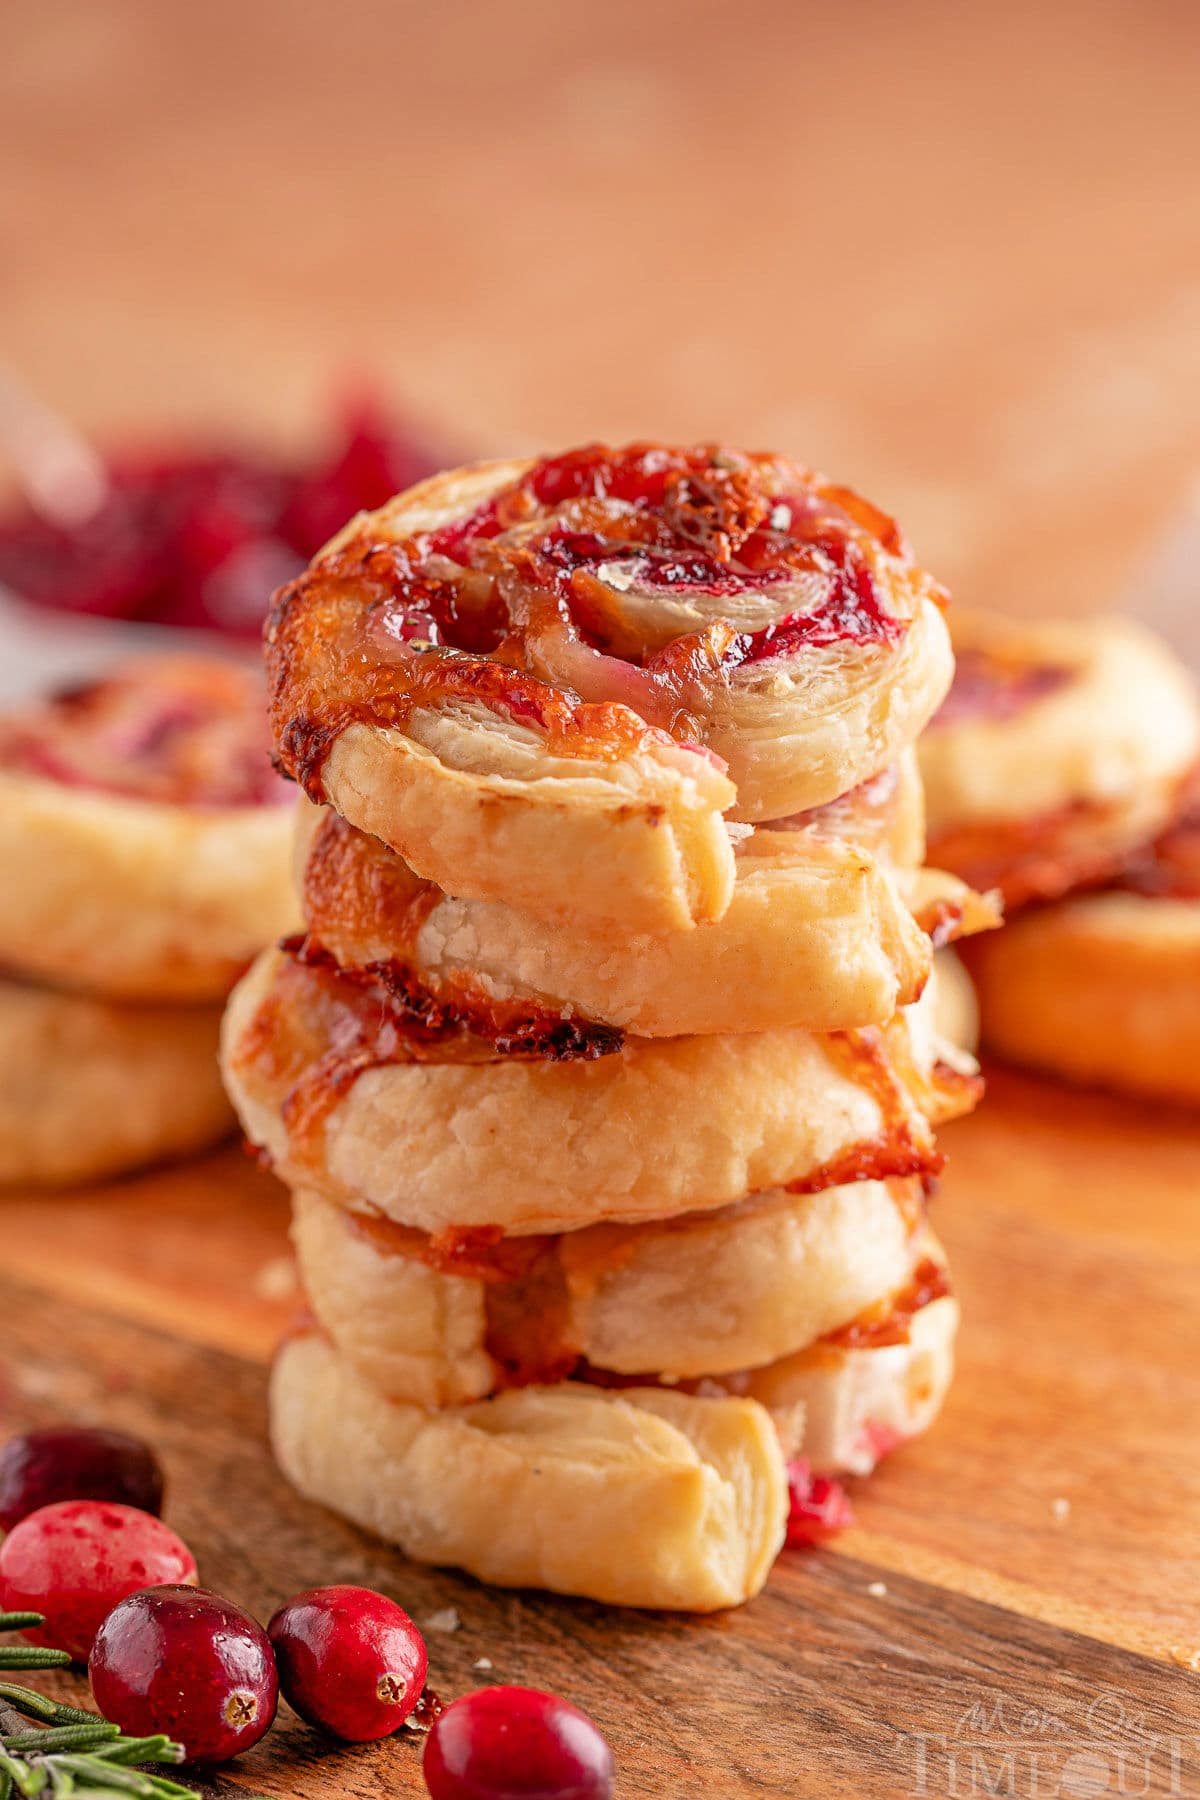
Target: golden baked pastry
[(638, 1498), (817, 934), (545, 682), (89, 1088), (1061, 747), (850, 1396), (435, 1129), (146, 852), (956, 1004), (1103, 987), (845, 1406), (436, 1321)]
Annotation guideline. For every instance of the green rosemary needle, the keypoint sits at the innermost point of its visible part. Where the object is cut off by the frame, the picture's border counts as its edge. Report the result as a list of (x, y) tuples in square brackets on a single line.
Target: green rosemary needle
[(31, 1656), (70, 1751)]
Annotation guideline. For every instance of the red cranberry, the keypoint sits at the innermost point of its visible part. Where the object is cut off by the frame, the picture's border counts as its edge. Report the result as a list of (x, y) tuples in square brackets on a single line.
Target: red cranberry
[(185, 1662), (515, 1743), (819, 1506), (73, 1561), (76, 1463), (350, 1661)]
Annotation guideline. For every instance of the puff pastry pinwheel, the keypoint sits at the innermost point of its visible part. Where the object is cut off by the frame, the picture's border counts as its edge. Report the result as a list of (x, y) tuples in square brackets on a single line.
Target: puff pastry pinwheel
[(605, 1068), (146, 862), (548, 683), (817, 934), (855, 1396), (1102, 987), (639, 1498), (89, 1088), (146, 839), (576, 1486), (440, 1320), (1063, 769), (437, 1130), (1061, 748)]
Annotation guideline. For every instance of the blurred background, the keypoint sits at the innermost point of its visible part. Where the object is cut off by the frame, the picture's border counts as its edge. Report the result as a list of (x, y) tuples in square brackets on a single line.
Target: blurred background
[(947, 251)]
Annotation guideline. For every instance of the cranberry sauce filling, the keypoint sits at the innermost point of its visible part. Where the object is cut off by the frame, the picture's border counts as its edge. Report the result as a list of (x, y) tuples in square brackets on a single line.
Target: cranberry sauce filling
[(700, 522), (196, 538), (988, 686), (185, 731), (377, 627)]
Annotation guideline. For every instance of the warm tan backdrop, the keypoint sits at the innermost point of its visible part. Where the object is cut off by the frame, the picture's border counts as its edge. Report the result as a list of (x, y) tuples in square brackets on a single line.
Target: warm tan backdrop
[(948, 249)]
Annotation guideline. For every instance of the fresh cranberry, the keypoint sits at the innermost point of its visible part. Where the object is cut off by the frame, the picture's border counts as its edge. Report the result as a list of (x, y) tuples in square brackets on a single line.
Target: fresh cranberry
[(73, 1561), (76, 1463), (819, 1506), (350, 1661), (185, 1662), (515, 1743)]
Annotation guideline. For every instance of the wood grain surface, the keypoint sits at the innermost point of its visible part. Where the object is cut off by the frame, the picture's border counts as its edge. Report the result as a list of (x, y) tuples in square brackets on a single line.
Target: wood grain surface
[(1038, 1550), (840, 1680)]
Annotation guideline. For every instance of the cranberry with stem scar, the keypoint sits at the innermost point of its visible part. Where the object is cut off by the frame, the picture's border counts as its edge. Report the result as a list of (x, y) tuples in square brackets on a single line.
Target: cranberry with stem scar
[(187, 1663), (516, 1743), (75, 1462), (350, 1661), (75, 1560)]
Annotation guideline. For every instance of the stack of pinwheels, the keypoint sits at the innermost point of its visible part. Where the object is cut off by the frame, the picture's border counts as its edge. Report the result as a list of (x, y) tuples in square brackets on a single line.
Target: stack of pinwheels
[(604, 1074), (145, 863)]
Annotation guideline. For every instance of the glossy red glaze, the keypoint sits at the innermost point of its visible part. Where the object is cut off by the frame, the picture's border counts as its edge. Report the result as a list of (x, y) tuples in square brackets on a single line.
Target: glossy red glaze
[(515, 1743), (185, 1662), (75, 1560), (467, 611), (350, 1661), (76, 1462)]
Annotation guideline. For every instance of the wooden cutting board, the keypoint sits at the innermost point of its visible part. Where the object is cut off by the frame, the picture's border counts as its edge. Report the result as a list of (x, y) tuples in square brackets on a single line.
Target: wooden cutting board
[(1019, 1603)]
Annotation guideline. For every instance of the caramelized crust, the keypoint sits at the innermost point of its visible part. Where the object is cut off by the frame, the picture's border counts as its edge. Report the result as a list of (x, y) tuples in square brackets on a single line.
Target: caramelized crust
[(1169, 868), (607, 551)]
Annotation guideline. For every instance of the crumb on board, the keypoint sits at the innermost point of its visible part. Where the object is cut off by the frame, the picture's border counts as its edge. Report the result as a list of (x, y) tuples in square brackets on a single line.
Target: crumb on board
[(877, 1590), (444, 1619)]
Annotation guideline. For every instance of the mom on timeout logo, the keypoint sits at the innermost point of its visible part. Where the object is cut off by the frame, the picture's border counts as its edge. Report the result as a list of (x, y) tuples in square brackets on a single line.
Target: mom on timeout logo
[(999, 1747)]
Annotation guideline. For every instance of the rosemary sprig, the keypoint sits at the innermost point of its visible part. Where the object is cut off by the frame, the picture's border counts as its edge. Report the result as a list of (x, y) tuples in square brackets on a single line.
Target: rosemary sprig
[(70, 1751)]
